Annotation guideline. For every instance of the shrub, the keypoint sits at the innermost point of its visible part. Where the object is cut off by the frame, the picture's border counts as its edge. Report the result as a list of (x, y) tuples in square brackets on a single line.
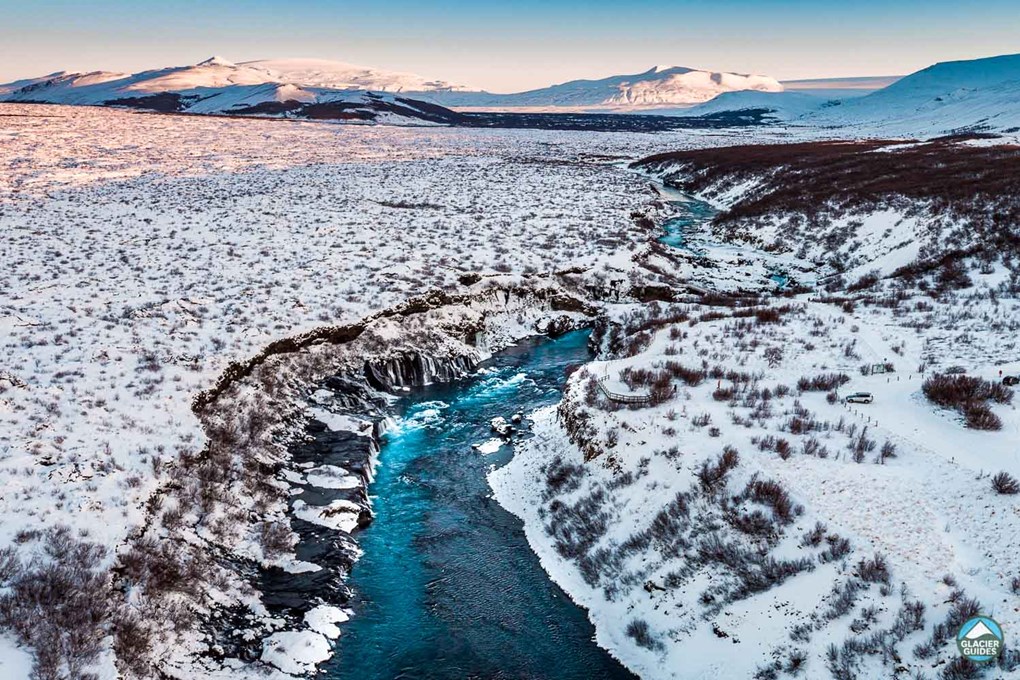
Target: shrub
[(813, 447), (815, 536), (638, 631), (822, 383), (691, 376), (1006, 484), (562, 477), (276, 538), (839, 548), (724, 393), (783, 448), (712, 477), (59, 605), (861, 445), (956, 391), (772, 494), (875, 570), (909, 619), (960, 668), (980, 417)]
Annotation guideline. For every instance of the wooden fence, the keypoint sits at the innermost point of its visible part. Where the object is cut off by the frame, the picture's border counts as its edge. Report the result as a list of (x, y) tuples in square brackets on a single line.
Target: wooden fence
[(623, 398)]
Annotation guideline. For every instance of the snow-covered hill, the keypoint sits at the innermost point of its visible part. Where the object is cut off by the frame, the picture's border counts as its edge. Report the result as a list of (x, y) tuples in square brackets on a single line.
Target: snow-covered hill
[(319, 80), (337, 75), (217, 86), (977, 94), (778, 105), (659, 86)]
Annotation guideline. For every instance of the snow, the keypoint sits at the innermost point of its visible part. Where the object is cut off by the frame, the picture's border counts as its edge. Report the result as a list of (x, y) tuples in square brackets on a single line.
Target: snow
[(217, 86), (15, 661), (339, 422), (323, 620), (781, 105), (332, 477), (145, 253), (337, 75), (489, 446), (296, 652), (930, 510), (982, 94), (658, 87), (340, 515)]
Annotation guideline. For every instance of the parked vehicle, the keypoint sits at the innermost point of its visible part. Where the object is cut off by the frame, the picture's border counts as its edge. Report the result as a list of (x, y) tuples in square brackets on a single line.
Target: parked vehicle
[(1011, 380), (860, 398)]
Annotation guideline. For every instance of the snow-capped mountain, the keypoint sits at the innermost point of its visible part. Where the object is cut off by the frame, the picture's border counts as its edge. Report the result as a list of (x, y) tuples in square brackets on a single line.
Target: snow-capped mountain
[(217, 86), (977, 94), (656, 87), (981, 95), (337, 75)]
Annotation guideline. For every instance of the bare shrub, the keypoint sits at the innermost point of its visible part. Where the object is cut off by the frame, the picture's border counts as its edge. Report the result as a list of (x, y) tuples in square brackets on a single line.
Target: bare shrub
[(874, 570), (276, 538), (639, 632), (711, 477), (772, 494), (1006, 484), (822, 383), (838, 548), (968, 395), (562, 477), (980, 417), (59, 605), (690, 376)]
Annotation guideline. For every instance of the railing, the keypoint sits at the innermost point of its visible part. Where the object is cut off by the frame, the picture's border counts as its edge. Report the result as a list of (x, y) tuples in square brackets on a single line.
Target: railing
[(623, 398)]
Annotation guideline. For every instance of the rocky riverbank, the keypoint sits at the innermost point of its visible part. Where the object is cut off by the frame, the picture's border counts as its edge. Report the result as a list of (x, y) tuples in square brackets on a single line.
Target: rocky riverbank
[(263, 522)]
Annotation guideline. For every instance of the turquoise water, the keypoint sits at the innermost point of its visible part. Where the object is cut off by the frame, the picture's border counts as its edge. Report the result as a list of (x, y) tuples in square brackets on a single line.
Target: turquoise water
[(692, 214), (448, 587)]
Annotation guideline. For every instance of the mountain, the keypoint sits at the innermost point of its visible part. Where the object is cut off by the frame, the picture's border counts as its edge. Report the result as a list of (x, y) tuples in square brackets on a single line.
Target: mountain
[(337, 75), (840, 88), (978, 95), (217, 86), (971, 95), (657, 87), (775, 105)]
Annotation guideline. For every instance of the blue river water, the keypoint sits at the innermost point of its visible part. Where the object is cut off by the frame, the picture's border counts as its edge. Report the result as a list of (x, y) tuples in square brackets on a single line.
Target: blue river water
[(448, 587), (690, 213)]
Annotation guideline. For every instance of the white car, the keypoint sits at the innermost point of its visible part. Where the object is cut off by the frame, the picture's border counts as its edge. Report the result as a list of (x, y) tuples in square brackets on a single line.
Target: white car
[(859, 398)]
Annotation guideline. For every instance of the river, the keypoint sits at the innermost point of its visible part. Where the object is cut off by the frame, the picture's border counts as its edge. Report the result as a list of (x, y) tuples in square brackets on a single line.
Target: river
[(448, 586)]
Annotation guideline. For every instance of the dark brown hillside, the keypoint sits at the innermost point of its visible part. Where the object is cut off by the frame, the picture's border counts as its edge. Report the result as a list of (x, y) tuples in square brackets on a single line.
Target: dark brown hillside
[(849, 173), (970, 193)]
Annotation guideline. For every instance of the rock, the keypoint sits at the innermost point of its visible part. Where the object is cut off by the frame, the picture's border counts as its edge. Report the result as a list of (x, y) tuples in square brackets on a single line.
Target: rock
[(500, 426), (517, 418)]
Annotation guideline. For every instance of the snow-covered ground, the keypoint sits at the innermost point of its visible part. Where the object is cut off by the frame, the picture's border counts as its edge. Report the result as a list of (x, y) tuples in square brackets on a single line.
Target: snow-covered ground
[(725, 580), (145, 253)]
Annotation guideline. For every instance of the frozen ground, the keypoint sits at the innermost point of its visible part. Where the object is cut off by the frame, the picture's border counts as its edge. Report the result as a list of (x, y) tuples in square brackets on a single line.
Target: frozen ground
[(693, 574), (145, 252)]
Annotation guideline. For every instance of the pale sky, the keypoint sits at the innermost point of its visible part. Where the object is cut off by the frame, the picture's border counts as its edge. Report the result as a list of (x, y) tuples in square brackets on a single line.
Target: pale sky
[(509, 46)]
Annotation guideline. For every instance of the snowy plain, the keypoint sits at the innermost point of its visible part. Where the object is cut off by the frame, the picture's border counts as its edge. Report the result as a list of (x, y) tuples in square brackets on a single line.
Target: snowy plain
[(145, 252)]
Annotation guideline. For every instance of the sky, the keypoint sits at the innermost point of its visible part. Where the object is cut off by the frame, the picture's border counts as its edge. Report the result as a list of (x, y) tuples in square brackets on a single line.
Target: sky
[(510, 46)]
